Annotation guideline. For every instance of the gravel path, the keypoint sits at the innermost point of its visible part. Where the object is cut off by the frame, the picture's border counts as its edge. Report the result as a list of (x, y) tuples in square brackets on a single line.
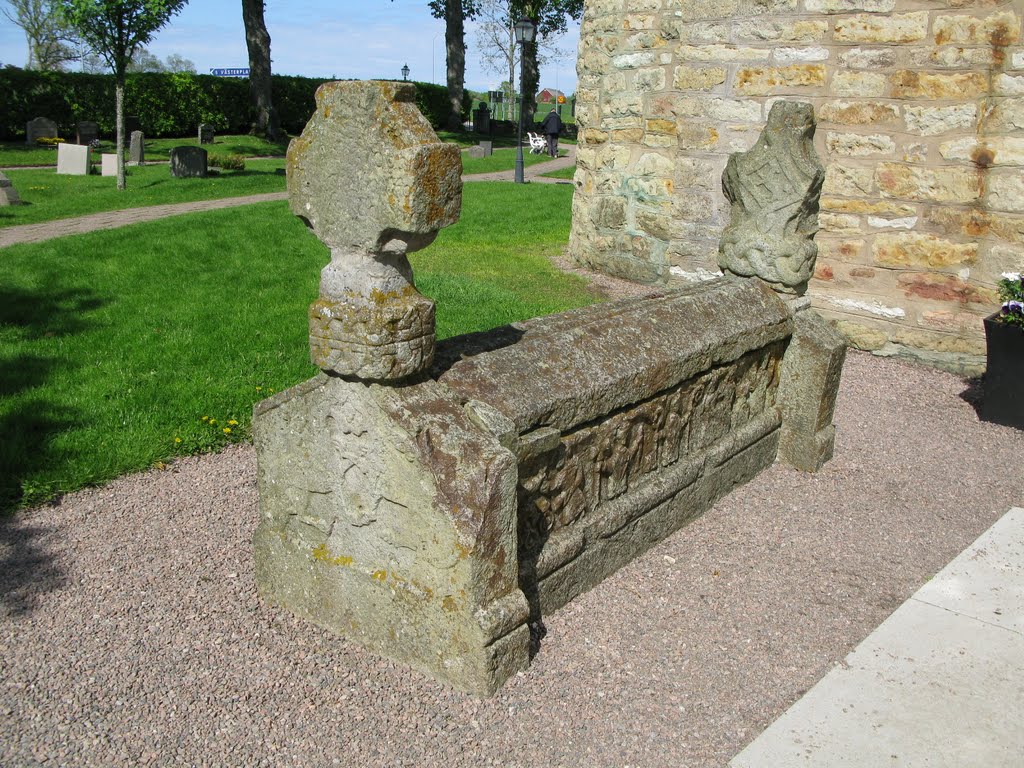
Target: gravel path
[(133, 634)]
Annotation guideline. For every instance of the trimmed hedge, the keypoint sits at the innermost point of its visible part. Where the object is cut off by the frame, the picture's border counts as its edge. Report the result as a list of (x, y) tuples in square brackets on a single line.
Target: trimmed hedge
[(168, 103)]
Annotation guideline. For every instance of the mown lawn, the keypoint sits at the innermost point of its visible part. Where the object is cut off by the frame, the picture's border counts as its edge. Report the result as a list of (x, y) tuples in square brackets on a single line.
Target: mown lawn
[(15, 154), (501, 160), (123, 349), (49, 196)]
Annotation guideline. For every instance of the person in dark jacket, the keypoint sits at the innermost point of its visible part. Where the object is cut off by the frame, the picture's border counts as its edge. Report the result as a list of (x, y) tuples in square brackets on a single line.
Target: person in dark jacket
[(552, 126)]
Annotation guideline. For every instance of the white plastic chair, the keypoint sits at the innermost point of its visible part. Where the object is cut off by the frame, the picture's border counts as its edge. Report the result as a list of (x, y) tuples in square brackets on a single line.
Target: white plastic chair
[(538, 143)]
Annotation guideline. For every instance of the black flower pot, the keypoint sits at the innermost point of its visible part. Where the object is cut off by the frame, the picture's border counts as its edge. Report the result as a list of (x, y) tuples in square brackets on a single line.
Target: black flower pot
[(1003, 402)]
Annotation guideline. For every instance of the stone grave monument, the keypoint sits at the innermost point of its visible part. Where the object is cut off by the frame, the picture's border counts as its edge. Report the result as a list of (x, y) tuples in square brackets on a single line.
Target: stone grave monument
[(483, 149), (73, 159), (206, 134), (86, 132), (8, 194), (430, 500), (108, 164), (137, 149), (188, 162), (40, 128)]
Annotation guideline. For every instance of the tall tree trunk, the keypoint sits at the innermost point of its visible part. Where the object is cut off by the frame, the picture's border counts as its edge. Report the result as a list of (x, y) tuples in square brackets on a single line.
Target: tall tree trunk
[(119, 130), (531, 80), (455, 44), (257, 39)]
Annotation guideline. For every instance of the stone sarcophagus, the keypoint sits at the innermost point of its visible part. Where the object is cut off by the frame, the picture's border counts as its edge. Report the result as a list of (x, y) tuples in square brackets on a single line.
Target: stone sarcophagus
[(433, 517)]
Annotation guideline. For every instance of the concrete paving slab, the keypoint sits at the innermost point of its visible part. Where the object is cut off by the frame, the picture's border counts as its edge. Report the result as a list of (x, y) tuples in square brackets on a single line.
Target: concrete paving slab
[(986, 580), (937, 684)]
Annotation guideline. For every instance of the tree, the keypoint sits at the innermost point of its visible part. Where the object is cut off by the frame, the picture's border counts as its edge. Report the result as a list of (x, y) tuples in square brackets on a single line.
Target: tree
[(116, 29), (144, 61), (455, 13), (257, 39), (551, 18), (496, 42), (51, 44)]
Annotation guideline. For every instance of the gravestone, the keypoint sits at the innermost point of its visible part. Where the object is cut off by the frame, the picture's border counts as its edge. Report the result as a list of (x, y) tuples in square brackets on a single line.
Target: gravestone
[(188, 162), (132, 123), (40, 128), (8, 194), (774, 190), (73, 159), (86, 132), (383, 197), (476, 152), (482, 118), (137, 149), (108, 164), (205, 134), (487, 147)]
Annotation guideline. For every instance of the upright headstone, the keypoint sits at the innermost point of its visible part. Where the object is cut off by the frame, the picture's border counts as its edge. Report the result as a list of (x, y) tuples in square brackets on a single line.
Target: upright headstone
[(386, 195), (205, 134), (73, 159), (137, 149), (487, 147), (86, 132), (188, 162), (132, 123), (41, 127), (8, 194), (482, 118), (108, 164), (476, 152), (774, 190)]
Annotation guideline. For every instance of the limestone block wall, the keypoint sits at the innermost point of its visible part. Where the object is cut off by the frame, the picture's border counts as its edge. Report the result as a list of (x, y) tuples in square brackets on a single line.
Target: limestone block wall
[(920, 109)]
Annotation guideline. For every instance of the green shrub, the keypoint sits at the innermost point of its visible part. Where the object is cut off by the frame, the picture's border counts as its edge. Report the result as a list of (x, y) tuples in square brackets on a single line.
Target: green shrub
[(227, 162), (169, 103)]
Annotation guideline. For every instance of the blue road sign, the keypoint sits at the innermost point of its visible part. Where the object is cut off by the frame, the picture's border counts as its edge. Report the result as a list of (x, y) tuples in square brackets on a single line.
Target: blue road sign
[(235, 72)]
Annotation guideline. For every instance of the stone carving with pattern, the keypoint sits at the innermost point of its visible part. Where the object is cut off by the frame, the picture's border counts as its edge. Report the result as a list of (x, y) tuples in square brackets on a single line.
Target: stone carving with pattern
[(774, 190)]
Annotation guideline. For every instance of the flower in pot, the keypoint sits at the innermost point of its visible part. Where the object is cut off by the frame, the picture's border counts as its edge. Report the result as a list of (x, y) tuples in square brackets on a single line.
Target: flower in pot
[(1004, 338)]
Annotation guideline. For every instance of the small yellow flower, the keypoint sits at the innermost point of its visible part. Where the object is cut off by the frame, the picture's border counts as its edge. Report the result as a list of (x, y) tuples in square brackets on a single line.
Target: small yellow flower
[(213, 421), (227, 430), (232, 422), (177, 439), (205, 418), (259, 389)]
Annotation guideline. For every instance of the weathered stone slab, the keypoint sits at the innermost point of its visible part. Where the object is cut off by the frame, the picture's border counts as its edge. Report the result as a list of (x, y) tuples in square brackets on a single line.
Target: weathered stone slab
[(206, 134), (137, 149), (807, 394), (41, 127), (8, 194), (388, 516), (86, 132), (370, 178), (774, 190), (73, 159), (188, 162), (108, 164), (476, 152)]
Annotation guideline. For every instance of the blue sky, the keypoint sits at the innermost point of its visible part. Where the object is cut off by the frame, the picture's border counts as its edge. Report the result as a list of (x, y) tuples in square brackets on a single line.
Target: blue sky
[(363, 39)]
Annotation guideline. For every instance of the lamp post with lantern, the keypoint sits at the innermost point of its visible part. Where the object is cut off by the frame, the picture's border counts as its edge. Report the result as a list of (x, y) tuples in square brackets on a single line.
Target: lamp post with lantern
[(405, 72), (525, 31)]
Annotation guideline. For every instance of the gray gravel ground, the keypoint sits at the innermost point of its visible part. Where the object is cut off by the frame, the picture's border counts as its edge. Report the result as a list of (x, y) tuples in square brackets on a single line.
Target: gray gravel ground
[(133, 634)]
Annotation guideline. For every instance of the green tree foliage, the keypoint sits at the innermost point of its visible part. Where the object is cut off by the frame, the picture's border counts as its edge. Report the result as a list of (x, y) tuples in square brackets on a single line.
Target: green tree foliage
[(116, 29)]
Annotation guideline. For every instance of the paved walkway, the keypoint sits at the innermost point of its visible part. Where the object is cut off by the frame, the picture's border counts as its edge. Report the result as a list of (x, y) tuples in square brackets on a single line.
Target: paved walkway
[(937, 684), (47, 230)]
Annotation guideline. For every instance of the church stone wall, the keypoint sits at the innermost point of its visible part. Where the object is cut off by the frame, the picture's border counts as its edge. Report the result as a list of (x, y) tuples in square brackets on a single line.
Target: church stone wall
[(920, 110)]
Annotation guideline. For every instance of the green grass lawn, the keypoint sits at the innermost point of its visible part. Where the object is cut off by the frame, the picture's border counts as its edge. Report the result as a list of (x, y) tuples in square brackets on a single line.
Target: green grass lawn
[(49, 196), (14, 154), (562, 173), (501, 160), (126, 348)]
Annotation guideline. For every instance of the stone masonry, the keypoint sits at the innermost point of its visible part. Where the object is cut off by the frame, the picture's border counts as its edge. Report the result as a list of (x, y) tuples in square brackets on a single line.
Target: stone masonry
[(431, 516), (920, 110)]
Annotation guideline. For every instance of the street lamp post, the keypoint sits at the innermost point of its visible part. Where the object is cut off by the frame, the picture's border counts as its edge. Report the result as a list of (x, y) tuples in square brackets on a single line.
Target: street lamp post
[(525, 31), (405, 72)]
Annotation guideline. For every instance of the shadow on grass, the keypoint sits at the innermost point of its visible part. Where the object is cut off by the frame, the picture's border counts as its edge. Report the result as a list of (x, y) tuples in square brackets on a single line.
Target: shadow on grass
[(31, 419)]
